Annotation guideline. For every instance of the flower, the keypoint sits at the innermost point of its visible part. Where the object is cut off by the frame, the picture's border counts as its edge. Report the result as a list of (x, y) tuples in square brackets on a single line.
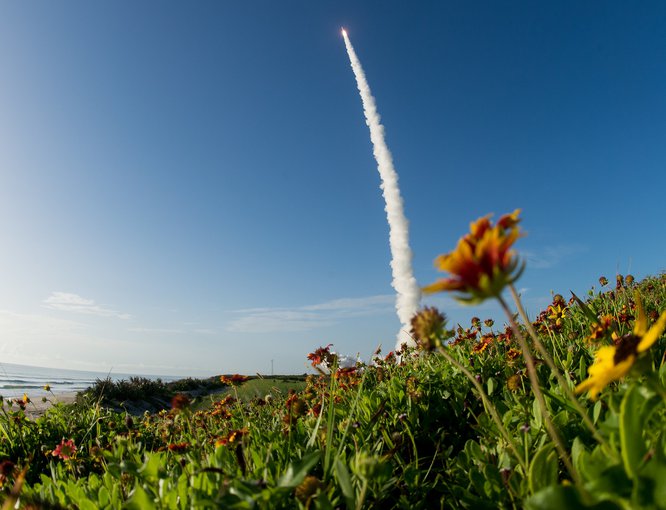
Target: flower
[(557, 313), (613, 362), (322, 356), (180, 401), (233, 437), (7, 468), (234, 380), (600, 329), (178, 447), (482, 263), (65, 450)]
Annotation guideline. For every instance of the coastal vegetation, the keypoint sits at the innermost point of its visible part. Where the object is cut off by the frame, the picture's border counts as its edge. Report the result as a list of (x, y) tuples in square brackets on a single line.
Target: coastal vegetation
[(562, 410)]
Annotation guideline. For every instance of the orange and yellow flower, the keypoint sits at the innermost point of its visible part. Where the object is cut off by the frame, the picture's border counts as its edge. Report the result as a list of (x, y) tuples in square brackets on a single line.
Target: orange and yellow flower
[(483, 262), (613, 362)]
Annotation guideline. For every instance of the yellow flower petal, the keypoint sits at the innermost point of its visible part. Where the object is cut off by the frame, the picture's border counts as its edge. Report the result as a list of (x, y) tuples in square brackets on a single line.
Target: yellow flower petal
[(653, 334), (641, 325), (604, 371)]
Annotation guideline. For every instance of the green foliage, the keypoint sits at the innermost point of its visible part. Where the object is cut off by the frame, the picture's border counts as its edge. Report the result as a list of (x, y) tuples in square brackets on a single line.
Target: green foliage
[(413, 434)]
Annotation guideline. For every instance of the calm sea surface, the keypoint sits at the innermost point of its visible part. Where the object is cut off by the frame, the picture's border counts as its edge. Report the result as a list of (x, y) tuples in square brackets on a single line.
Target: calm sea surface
[(15, 380)]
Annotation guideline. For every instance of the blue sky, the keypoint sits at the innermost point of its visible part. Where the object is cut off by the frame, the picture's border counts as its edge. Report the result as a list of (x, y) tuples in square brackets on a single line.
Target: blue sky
[(190, 188)]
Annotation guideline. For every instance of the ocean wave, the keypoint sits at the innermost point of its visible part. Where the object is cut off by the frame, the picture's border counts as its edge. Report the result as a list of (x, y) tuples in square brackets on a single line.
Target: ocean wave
[(17, 386), (50, 382)]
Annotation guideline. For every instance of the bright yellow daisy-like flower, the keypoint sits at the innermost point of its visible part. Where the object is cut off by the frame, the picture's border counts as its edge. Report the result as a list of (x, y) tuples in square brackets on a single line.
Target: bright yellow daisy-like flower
[(612, 363), (483, 262)]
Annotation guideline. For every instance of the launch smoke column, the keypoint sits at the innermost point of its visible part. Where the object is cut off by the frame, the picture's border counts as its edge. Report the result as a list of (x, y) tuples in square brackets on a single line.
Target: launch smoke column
[(404, 283)]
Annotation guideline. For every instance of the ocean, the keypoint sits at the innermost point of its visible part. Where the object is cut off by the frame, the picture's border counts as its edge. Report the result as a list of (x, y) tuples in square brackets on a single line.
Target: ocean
[(15, 380)]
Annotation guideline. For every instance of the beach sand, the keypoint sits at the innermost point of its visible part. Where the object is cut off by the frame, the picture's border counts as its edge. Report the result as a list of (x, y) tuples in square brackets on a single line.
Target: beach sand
[(37, 408)]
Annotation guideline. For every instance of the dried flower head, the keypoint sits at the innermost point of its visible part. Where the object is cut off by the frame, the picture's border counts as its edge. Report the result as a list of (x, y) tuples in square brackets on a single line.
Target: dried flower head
[(619, 282), (428, 328), (513, 383), (307, 489)]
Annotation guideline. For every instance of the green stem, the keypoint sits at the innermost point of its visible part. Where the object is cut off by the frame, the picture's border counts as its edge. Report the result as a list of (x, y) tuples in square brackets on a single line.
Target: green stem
[(487, 404), (361, 499), (560, 378), (536, 389)]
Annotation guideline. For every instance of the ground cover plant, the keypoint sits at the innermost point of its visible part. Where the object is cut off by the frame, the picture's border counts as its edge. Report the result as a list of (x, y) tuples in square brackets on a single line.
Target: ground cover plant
[(562, 410)]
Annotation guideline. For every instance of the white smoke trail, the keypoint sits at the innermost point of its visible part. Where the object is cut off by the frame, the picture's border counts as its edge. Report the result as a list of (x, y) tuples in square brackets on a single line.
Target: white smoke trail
[(404, 283)]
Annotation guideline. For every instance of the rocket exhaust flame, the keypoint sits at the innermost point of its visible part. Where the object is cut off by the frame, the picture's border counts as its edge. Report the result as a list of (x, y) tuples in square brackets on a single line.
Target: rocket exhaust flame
[(404, 283)]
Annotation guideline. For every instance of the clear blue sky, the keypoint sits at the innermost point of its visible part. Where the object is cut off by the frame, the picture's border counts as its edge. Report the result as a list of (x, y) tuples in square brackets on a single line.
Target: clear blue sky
[(189, 188)]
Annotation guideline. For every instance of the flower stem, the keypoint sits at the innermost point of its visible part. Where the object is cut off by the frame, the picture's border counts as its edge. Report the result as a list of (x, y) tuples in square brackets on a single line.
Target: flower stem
[(487, 404), (536, 389), (560, 378)]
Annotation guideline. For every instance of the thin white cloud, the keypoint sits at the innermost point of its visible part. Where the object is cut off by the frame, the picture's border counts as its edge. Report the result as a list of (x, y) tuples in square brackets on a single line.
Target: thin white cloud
[(161, 331), (173, 331), (68, 302), (550, 256), (309, 317)]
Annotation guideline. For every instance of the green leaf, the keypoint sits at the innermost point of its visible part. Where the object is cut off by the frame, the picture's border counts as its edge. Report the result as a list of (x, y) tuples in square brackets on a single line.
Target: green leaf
[(140, 500), (590, 313), (655, 472), (322, 502), (582, 368), (611, 481), (297, 471), (491, 384), (342, 474), (473, 451), (559, 497), (536, 412), (596, 411), (183, 488), (86, 504), (577, 453), (103, 497), (153, 468), (633, 414), (543, 469)]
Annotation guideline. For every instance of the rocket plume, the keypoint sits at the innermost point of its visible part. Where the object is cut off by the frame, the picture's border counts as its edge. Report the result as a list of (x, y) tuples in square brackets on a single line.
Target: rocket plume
[(404, 283)]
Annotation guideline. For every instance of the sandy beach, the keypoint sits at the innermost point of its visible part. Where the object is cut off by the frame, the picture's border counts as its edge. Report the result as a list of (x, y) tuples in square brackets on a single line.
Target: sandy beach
[(37, 407)]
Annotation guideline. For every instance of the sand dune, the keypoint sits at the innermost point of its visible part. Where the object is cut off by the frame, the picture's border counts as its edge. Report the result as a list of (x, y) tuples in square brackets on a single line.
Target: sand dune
[(37, 408)]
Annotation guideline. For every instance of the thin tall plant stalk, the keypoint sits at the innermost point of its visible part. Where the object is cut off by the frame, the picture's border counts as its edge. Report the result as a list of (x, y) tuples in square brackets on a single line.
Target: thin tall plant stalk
[(487, 404), (536, 389), (560, 378)]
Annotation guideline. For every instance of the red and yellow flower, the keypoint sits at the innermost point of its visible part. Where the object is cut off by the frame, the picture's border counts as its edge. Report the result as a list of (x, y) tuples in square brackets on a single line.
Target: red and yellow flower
[(65, 450), (483, 262)]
